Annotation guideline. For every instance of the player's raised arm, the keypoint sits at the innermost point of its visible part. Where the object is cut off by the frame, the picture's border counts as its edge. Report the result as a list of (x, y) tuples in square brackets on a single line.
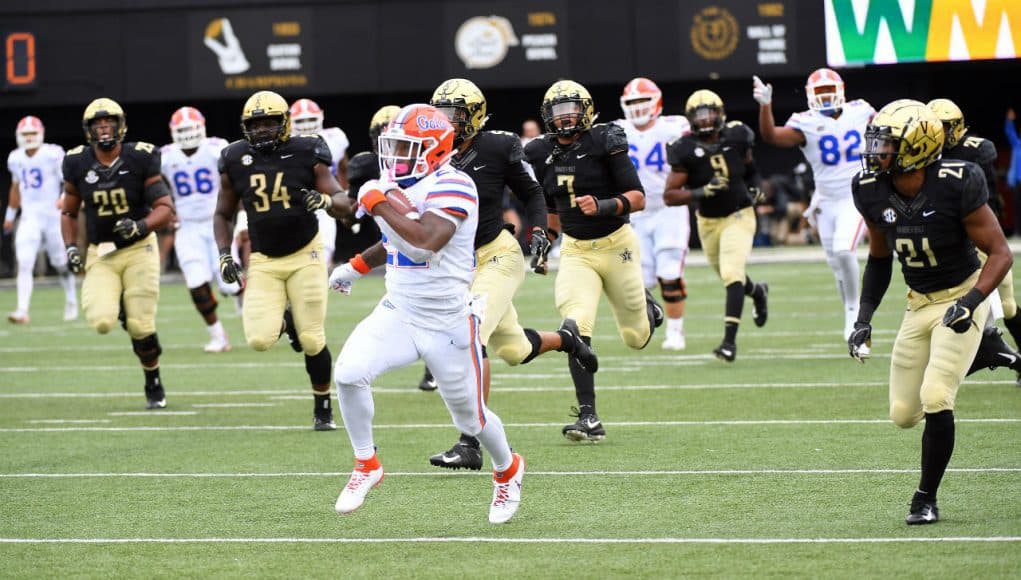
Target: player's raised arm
[(778, 136)]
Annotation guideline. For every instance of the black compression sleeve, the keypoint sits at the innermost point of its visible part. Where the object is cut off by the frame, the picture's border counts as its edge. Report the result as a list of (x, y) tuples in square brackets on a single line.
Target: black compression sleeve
[(875, 281)]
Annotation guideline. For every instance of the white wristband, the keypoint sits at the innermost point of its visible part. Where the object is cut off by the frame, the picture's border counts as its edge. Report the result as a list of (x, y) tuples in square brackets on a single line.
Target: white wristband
[(10, 214)]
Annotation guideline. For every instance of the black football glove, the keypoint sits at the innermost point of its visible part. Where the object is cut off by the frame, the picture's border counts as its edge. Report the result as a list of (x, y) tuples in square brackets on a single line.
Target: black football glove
[(315, 200), (130, 230), (758, 196), (859, 344), (716, 185), (74, 259), (230, 271), (959, 316), (540, 248)]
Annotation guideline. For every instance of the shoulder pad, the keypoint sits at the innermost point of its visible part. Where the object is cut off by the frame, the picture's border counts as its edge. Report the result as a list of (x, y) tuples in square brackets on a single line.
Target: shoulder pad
[(615, 138), (539, 148), (76, 150), (144, 147), (738, 132)]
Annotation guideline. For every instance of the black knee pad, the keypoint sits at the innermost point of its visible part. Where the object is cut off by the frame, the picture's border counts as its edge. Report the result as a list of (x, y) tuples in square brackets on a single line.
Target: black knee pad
[(205, 301), (536, 341), (673, 291), (318, 367), (148, 349)]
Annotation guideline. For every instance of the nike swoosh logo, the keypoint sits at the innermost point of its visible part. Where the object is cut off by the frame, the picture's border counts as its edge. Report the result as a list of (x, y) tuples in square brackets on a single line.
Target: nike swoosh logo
[(123, 171), (476, 168), (1009, 357), (452, 459), (928, 213), (591, 424), (726, 148), (580, 155), (286, 156)]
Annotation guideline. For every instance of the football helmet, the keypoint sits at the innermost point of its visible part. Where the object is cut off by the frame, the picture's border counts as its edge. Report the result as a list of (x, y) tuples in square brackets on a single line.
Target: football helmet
[(566, 99), (380, 119), (102, 108), (30, 133), (188, 128), (641, 102), (266, 105), (953, 120), (903, 136), (464, 104), (825, 91), (418, 141), (705, 112), (306, 117)]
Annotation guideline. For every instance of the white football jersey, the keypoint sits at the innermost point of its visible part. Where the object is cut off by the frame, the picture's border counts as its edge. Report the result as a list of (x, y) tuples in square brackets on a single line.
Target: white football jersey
[(195, 179), (39, 179), (435, 294), (336, 139), (647, 150), (833, 147)]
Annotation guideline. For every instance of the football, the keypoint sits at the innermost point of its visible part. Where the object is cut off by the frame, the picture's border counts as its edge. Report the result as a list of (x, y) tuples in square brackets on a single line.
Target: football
[(399, 200)]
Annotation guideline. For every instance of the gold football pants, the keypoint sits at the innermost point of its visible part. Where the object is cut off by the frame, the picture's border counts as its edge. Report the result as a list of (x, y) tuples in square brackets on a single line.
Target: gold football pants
[(1005, 289), (273, 281), (930, 360), (501, 270), (727, 242), (132, 272), (610, 264)]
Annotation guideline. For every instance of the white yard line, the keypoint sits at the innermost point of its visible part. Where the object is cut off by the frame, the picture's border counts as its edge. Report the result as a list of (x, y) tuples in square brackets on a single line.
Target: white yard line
[(472, 540), (773, 422), (150, 413), (439, 473)]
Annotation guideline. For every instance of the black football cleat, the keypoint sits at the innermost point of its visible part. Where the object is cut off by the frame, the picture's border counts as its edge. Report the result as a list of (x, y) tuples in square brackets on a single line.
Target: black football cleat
[(922, 512), (727, 351), (291, 331), (582, 353), (588, 427), (994, 352), (760, 303), (155, 397), (463, 455), (323, 420), (428, 383), (655, 310)]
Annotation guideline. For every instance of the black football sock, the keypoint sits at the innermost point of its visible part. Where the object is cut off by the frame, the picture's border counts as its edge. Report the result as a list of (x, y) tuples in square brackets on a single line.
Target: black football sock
[(322, 403), (584, 383), (732, 314), (937, 447), (152, 377)]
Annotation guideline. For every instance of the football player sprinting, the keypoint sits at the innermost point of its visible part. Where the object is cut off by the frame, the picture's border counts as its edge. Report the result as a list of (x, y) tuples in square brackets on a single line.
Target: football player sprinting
[(664, 231), (279, 179), (591, 189), (189, 165), (426, 313), (934, 214), (495, 160), (35, 189), (125, 201), (713, 167), (830, 135), (307, 119), (960, 143)]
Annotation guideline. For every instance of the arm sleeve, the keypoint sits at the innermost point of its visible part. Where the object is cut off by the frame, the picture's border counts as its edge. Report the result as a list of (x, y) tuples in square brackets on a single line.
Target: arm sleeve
[(875, 282), (524, 185)]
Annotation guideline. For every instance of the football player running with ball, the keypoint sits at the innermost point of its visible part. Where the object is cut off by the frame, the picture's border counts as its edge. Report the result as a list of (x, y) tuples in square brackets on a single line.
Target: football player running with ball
[(126, 201), (829, 134), (934, 214), (713, 167), (280, 179), (591, 189), (428, 212)]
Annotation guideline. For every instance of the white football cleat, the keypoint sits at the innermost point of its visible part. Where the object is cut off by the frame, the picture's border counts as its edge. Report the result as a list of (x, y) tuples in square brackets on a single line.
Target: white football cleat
[(507, 491), (366, 475), (18, 317), (675, 342), (217, 344), (70, 312)]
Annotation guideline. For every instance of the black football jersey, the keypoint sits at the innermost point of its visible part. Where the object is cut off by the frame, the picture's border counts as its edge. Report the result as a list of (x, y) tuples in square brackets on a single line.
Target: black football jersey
[(979, 151), (927, 232), (361, 168), (725, 157), (596, 164), (114, 192), (495, 160), (269, 186)]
